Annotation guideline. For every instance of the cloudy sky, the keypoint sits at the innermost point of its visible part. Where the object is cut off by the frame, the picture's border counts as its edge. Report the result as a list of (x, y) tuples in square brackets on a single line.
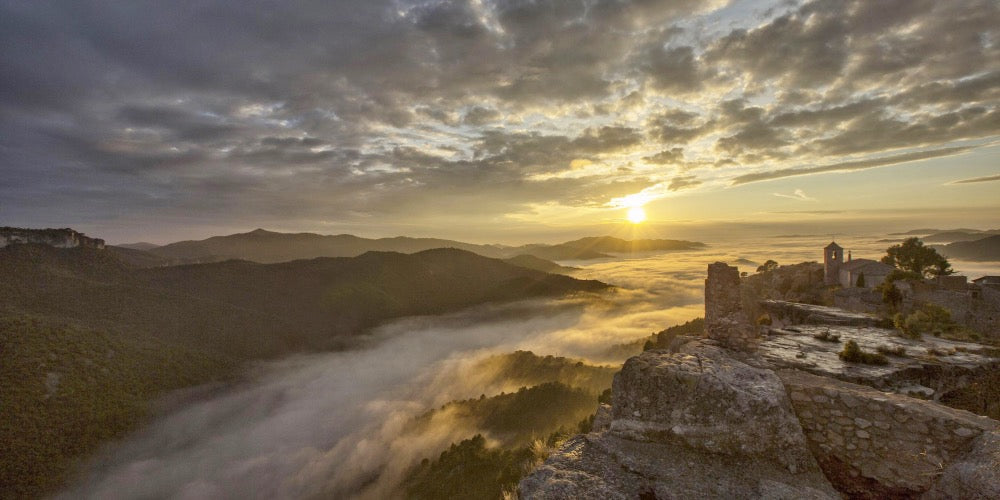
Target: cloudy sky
[(492, 120)]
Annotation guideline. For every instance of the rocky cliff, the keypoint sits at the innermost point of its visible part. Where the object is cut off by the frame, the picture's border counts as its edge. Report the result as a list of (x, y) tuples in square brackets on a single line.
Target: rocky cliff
[(59, 238), (722, 416)]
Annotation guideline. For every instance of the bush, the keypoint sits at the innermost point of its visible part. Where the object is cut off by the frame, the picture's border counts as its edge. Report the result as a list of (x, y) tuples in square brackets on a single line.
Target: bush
[(826, 336), (892, 351), (852, 353), (929, 319)]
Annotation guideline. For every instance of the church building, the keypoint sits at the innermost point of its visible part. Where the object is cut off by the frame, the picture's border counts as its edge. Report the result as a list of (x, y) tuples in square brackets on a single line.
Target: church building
[(848, 274)]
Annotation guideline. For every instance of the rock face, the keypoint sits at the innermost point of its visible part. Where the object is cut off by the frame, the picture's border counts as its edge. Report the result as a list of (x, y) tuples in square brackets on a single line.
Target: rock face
[(708, 419), (725, 320), (697, 423), (59, 238), (707, 399)]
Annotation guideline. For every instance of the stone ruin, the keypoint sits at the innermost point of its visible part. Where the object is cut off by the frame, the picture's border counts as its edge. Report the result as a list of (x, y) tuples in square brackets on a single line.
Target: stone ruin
[(725, 320), (707, 419)]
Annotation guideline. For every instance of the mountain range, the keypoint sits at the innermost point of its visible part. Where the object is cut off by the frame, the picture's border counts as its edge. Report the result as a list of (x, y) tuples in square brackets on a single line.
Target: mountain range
[(269, 247), (983, 249), (89, 339)]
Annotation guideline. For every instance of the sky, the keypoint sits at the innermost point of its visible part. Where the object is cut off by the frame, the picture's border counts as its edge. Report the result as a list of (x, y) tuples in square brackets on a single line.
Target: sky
[(496, 120)]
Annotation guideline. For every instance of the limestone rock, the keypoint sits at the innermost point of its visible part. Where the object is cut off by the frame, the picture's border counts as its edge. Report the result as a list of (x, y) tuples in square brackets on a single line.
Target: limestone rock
[(694, 424), (976, 476), (604, 466), (704, 397)]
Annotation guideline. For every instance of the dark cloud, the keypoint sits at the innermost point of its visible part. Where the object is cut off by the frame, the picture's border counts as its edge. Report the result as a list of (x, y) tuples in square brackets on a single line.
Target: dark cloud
[(667, 157), (308, 108), (683, 182)]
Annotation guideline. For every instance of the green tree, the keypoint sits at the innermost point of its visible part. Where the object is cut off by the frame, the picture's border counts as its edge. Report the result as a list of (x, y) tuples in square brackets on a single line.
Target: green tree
[(861, 280), (770, 265), (912, 255), (891, 294)]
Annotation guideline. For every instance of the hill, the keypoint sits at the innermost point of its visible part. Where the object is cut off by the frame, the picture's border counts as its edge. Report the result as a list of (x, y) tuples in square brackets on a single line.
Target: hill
[(88, 339), (958, 235), (545, 266), (142, 245), (611, 244), (270, 247), (260, 309), (985, 249)]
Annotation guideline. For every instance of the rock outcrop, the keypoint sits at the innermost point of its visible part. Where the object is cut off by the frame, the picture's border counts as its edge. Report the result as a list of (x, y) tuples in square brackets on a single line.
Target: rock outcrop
[(717, 417), (698, 423), (59, 238)]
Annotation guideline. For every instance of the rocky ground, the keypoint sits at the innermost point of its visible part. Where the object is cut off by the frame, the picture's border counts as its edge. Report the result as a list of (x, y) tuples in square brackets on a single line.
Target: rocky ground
[(928, 368), (700, 420)]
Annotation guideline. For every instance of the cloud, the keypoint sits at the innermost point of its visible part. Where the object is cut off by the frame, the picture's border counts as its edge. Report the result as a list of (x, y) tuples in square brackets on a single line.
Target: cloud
[(850, 165), (973, 180), (798, 194), (294, 111), (683, 182)]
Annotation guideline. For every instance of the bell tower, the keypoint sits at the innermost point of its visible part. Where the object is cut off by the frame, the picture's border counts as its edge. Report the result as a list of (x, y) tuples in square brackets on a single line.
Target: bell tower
[(833, 257)]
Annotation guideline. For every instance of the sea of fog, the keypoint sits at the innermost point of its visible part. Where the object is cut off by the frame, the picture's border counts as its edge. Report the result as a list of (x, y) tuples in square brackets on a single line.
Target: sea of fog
[(334, 425)]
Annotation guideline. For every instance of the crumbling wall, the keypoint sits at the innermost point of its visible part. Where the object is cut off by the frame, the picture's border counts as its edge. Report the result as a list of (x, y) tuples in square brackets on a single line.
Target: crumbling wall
[(725, 320), (873, 444)]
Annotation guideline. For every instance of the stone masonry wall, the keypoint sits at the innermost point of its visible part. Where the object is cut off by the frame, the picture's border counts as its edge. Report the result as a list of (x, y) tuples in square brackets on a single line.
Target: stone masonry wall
[(725, 320), (873, 444)]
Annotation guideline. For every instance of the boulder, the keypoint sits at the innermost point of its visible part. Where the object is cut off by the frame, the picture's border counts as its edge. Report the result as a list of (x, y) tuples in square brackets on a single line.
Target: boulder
[(976, 476), (705, 398)]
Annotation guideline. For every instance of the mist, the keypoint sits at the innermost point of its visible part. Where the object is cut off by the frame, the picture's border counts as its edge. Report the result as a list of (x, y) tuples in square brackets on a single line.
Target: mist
[(337, 424)]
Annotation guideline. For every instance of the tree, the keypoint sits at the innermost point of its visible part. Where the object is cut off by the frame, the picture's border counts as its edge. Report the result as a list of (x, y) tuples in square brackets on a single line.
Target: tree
[(912, 255), (770, 265), (861, 280), (891, 295)]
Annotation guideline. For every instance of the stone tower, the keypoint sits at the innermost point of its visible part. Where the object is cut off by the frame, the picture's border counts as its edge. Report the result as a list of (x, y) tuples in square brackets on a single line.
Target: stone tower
[(833, 257), (725, 320)]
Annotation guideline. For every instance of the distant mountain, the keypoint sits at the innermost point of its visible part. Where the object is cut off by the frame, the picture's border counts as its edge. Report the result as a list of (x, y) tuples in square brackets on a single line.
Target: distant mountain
[(139, 258), (984, 249), (918, 232), (617, 245), (958, 235), (545, 266), (271, 247), (259, 309), (142, 245)]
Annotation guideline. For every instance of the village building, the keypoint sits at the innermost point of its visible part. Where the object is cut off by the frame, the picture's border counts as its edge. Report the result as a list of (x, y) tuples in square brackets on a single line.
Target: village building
[(848, 274)]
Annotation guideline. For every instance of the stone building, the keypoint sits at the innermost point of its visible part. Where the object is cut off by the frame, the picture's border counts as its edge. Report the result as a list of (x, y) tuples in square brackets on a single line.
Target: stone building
[(846, 274)]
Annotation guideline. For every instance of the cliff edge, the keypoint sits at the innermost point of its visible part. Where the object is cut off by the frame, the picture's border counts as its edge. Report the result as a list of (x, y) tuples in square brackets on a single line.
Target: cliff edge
[(715, 418)]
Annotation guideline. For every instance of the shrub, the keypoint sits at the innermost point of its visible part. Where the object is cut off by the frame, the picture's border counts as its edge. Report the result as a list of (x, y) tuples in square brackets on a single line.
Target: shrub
[(826, 336), (853, 353), (930, 318), (892, 351)]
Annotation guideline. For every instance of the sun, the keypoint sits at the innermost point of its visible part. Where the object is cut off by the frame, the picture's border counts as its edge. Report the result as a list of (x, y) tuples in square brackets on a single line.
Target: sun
[(636, 215)]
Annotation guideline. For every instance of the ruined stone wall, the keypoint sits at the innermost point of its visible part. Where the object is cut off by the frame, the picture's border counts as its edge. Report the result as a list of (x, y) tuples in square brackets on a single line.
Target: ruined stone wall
[(59, 238), (725, 320), (879, 443)]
